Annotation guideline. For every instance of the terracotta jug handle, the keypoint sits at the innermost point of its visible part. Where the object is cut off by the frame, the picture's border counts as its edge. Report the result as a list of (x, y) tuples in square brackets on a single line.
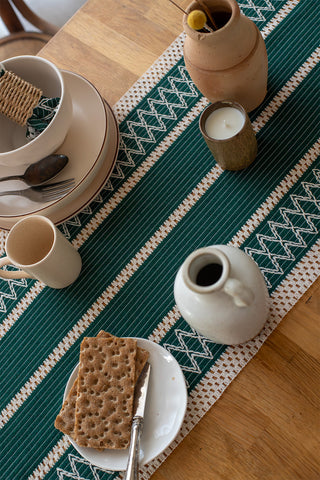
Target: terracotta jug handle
[(10, 274), (242, 295)]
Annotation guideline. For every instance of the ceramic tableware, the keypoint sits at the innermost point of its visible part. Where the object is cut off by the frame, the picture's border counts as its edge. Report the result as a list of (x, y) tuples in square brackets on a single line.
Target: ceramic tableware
[(91, 160), (222, 294), (59, 214), (40, 250), (15, 149)]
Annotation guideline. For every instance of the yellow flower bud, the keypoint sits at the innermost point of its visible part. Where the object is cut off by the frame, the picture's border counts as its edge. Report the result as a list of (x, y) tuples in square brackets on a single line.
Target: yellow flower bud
[(197, 19)]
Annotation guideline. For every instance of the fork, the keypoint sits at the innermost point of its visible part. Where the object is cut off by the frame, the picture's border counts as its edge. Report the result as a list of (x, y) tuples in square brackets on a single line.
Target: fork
[(44, 193)]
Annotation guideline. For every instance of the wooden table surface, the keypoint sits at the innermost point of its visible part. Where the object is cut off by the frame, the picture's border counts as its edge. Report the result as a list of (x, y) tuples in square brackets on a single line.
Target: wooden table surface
[(266, 424)]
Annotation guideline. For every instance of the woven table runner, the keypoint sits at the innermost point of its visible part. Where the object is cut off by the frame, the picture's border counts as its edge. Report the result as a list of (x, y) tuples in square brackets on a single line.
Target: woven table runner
[(166, 198)]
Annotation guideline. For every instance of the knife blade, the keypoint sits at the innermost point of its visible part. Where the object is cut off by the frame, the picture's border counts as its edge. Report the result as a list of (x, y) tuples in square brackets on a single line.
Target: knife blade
[(139, 403)]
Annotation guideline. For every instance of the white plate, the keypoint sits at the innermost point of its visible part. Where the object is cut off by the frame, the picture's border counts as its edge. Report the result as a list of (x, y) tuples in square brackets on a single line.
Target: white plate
[(165, 411), (83, 145)]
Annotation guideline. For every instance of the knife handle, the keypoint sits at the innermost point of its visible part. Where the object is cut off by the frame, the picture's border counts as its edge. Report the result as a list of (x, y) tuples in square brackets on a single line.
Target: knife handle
[(132, 472)]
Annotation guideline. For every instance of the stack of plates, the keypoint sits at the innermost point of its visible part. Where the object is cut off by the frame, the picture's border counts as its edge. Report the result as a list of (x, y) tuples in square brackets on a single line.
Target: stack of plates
[(91, 145)]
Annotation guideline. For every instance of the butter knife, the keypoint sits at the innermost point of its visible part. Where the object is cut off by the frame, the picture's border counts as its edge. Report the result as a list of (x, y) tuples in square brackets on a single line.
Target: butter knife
[(139, 402)]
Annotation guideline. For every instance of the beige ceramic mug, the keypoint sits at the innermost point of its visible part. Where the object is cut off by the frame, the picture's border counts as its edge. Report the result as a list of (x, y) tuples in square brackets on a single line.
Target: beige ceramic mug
[(40, 250)]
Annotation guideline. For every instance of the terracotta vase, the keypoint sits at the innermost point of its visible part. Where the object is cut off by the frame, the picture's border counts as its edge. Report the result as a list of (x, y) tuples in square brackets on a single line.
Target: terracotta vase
[(231, 62)]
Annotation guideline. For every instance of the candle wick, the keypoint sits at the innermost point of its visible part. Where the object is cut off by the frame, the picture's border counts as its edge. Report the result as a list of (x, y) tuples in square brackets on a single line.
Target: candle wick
[(226, 124)]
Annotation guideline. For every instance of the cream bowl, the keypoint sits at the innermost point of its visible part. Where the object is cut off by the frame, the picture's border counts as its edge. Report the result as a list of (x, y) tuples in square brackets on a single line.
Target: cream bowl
[(15, 149)]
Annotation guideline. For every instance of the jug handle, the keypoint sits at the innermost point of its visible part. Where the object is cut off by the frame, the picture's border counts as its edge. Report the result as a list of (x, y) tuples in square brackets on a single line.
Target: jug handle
[(242, 295), (10, 274)]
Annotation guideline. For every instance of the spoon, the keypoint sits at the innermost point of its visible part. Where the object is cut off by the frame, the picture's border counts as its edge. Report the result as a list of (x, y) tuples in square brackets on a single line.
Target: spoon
[(41, 171)]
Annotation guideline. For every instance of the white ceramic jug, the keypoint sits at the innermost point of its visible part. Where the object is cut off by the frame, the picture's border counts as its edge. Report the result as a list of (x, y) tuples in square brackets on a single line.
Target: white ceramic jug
[(222, 294)]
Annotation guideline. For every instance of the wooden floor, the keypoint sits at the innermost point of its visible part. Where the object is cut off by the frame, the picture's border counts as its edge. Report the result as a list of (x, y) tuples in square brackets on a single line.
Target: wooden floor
[(266, 425)]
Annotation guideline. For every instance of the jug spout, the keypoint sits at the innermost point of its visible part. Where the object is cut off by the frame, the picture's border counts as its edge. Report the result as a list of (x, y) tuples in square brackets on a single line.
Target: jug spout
[(206, 270)]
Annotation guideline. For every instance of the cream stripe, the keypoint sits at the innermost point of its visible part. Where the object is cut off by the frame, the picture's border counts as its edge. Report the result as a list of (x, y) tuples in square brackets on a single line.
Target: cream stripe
[(277, 19), (21, 306), (165, 325), (287, 90), (53, 456), (109, 293)]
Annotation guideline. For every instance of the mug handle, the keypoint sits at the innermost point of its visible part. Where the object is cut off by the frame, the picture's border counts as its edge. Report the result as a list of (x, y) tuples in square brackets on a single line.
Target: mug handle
[(11, 274)]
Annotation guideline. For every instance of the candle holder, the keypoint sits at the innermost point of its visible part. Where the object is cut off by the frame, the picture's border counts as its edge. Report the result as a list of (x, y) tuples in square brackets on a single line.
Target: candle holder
[(231, 140)]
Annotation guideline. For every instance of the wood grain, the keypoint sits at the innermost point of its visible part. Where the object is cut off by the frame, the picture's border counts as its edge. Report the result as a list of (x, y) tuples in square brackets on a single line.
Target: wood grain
[(266, 424), (112, 43)]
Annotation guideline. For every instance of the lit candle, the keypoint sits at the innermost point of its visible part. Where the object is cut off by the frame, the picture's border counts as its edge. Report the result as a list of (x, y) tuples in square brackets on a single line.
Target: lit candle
[(224, 123), (228, 132)]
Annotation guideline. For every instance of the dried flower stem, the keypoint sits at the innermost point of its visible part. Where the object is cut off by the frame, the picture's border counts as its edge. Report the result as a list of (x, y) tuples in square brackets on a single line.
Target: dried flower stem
[(186, 13), (178, 6), (208, 13)]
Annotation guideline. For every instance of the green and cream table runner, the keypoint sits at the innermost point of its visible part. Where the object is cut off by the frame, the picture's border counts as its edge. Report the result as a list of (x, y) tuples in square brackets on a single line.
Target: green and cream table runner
[(165, 198)]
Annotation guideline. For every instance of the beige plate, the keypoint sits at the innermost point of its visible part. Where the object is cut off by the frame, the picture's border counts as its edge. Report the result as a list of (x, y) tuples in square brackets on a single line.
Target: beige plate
[(85, 144), (101, 177), (73, 203)]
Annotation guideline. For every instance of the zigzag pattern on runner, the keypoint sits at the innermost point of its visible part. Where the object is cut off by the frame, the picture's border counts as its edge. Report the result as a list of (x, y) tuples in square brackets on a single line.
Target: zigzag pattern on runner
[(150, 122), (254, 11), (161, 111), (192, 346), (79, 468), (10, 293), (297, 220)]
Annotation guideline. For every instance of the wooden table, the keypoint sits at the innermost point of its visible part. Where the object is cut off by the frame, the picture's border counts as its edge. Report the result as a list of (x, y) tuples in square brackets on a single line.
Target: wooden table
[(250, 433)]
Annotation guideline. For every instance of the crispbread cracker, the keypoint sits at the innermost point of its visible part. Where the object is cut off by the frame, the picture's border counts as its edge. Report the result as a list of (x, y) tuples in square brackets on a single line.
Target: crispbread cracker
[(141, 357), (65, 419), (105, 392)]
